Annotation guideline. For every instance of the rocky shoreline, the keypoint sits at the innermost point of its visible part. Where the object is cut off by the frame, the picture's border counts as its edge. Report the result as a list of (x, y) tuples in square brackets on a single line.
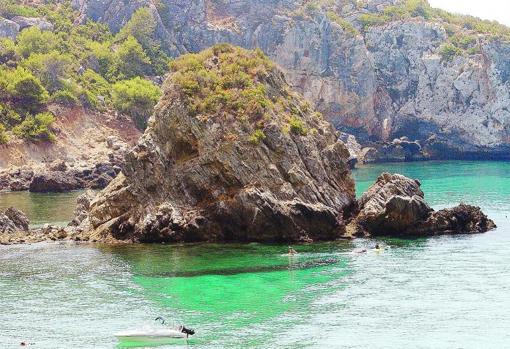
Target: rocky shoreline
[(62, 176), (393, 206)]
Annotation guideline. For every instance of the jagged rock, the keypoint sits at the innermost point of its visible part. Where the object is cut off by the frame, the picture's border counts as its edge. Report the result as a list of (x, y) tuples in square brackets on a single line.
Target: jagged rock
[(26, 22), (395, 206), (12, 221), (399, 150), (354, 148), (54, 182), (19, 219), (8, 29), (58, 166), (204, 177), (392, 204), (82, 209)]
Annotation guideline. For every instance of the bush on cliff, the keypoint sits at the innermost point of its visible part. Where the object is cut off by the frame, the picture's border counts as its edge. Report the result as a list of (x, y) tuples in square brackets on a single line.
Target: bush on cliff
[(22, 89), (50, 68), (237, 88), (3, 135), (33, 40), (136, 97), (36, 127)]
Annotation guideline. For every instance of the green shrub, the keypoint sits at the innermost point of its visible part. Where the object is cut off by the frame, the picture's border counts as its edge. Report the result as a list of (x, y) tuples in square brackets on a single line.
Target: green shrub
[(35, 128), (96, 84), (4, 138), (50, 68), (102, 59), (25, 90), (9, 9), (449, 51), (418, 8), (368, 20), (463, 41), (343, 23), (33, 40), (137, 98), (93, 31), (8, 116), (64, 97), (132, 60), (257, 136), (7, 51), (297, 126), (234, 86)]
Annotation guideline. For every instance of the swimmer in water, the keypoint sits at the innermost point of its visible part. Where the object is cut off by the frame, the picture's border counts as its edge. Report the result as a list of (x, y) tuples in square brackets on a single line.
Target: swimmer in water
[(292, 251), (377, 247)]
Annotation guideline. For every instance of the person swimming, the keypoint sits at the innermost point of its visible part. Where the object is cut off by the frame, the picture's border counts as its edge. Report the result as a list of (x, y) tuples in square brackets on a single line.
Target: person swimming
[(292, 251), (377, 247)]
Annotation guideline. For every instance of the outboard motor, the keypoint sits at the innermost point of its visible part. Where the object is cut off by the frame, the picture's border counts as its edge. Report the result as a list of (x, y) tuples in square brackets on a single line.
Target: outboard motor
[(187, 331)]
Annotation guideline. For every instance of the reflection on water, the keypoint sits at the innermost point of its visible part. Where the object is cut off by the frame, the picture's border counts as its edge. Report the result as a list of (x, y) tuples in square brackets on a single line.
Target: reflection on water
[(42, 208)]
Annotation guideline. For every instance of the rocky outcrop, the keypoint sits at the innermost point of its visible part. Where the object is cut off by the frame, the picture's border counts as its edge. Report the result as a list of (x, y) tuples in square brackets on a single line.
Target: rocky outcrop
[(274, 171), (380, 83), (12, 221), (53, 182), (395, 206), (8, 29), (26, 22)]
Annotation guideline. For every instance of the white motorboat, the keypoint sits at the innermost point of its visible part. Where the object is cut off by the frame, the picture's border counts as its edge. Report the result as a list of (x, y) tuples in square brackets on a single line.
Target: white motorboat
[(150, 335), (155, 336)]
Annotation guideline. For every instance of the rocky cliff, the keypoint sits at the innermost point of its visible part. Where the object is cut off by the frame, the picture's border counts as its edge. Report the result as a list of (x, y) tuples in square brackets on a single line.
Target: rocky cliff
[(86, 154), (230, 154), (380, 69)]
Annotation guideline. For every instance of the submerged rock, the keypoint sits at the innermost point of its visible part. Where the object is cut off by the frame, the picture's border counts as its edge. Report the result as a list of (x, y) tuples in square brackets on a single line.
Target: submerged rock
[(395, 206), (230, 154)]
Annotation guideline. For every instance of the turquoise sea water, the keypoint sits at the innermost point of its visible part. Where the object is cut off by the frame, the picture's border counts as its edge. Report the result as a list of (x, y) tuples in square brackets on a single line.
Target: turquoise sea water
[(443, 292)]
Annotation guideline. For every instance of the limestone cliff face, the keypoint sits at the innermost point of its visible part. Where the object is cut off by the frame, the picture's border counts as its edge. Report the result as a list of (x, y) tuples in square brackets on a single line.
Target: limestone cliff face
[(237, 157), (382, 83)]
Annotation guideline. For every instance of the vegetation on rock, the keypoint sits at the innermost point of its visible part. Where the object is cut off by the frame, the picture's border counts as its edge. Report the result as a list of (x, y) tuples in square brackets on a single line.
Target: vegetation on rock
[(226, 80)]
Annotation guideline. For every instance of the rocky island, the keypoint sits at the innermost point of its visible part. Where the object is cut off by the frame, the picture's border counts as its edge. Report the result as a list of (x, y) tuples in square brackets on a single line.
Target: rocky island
[(232, 153)]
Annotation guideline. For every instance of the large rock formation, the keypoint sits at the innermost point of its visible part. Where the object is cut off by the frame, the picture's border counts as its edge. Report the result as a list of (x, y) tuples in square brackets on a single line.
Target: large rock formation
[(395, 206), (230, 154), (381, 82)]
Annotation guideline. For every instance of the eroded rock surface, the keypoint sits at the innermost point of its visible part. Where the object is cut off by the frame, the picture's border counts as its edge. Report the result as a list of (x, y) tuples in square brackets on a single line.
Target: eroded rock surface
[(380, 83), (13, 220), (273, 172), (395, 206)]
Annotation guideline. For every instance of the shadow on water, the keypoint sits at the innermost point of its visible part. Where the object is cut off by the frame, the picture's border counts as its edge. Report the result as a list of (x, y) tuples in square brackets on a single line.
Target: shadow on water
[(234, 287)]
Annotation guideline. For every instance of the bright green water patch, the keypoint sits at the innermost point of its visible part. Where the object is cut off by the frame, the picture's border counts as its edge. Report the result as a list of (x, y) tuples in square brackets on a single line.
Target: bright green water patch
[(42, 208)]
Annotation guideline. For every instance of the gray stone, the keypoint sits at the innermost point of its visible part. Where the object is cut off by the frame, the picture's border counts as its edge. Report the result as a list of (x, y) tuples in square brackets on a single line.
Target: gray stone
[(27, 22), (8, 29)]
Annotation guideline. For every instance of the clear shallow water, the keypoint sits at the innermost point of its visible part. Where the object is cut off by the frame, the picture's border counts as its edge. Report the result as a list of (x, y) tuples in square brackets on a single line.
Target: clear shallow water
[(42, 208), (445, 292)]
